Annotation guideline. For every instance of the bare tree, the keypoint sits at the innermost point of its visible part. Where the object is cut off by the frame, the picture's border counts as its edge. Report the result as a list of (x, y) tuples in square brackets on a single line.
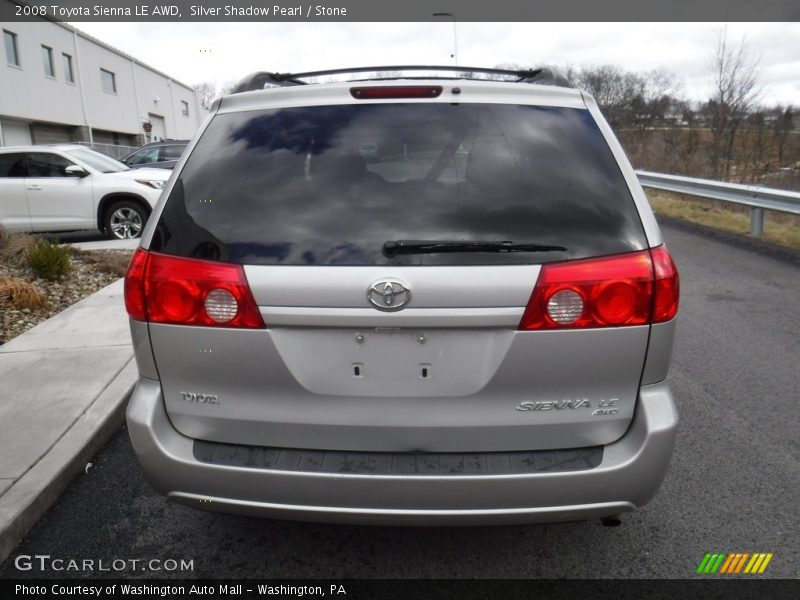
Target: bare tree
[(614, 89), (755, 147), (781, 128), (658, 90), (206, 92), (736, 91), (656, 95)]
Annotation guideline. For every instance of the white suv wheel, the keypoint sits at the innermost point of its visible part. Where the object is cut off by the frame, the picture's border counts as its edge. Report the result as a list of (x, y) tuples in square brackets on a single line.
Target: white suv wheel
[(125, 221)]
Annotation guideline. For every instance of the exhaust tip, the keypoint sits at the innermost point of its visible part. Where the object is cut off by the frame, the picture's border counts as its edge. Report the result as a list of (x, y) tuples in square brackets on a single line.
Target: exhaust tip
[(612, 521)]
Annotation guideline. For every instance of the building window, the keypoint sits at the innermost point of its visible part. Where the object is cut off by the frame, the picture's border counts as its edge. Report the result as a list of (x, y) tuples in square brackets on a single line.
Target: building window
[(47, 59), (10, 40), (184, 108), (69, 74), (109, 81)]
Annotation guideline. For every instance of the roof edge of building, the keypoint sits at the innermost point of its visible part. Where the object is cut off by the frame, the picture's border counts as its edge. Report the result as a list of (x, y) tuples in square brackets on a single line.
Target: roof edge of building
[(107, 46)]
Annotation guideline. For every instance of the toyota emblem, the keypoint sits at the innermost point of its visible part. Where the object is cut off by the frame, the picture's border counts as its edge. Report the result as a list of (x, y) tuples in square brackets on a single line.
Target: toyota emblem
[(388, 294)]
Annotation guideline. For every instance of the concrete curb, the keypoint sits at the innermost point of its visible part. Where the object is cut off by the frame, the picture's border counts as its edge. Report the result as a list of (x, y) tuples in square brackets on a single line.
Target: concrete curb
[(70, 379), (33, 494), (108, 245)]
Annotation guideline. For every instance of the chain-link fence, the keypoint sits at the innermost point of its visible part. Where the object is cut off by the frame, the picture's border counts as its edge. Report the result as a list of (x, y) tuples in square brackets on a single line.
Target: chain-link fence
[(112, 150)]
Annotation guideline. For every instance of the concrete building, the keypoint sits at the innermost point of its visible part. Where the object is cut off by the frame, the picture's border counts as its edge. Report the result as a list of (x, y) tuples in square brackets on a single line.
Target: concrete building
[(59, 85)]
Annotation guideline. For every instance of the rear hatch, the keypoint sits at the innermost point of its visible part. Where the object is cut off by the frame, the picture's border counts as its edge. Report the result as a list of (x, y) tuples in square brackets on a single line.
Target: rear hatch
[(391, 248)]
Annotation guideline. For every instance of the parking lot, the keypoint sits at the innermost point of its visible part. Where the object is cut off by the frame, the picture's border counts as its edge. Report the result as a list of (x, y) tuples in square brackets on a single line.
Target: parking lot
[(733, 486)]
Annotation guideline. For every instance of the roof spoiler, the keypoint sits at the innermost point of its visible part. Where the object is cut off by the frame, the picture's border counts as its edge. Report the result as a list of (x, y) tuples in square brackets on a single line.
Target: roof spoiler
[(541, 76)]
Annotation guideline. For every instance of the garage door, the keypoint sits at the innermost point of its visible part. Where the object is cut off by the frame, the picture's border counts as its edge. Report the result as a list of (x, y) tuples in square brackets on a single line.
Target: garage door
[(15, 133), (159, 131)]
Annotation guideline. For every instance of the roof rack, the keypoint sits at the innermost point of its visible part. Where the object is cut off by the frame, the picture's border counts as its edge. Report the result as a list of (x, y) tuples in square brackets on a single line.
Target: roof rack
[(257, 81)]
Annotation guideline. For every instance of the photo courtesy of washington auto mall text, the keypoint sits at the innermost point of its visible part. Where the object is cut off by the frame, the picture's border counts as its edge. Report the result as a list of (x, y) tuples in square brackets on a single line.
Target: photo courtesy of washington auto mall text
[(189, 590)]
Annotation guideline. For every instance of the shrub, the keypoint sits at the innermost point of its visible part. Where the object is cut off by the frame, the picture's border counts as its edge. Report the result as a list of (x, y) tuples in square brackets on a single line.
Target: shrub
[(49, 261), (3, 237)]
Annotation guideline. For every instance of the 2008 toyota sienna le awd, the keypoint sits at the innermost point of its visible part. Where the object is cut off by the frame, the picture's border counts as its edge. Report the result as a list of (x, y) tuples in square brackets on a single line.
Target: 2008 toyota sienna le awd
[(430, 300)]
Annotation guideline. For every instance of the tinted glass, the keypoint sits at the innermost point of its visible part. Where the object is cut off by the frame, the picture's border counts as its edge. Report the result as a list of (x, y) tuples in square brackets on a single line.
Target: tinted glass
[(45, 164), (13, 165), (329, 185), (143, 156), (171, 152)]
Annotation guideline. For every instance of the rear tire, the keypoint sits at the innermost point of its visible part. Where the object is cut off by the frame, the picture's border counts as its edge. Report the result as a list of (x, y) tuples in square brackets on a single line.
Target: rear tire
[(124, 220)]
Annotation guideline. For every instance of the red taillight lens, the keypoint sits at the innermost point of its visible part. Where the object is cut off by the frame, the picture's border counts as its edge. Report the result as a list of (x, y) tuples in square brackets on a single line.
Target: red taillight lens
[(615, 303), (185, 291), (598, 292), (396, 91), (134, 286), (668, 286)]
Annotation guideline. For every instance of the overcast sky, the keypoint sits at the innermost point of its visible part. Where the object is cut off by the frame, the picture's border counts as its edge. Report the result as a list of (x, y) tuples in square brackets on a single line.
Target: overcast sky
[(222, 52)]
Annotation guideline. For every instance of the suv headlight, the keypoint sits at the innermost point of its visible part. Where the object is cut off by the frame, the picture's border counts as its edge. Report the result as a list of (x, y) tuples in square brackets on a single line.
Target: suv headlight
[(153, 183)]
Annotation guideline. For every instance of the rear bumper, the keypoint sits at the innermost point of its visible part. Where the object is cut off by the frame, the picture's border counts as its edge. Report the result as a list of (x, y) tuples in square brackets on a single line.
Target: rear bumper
[(628, 476)]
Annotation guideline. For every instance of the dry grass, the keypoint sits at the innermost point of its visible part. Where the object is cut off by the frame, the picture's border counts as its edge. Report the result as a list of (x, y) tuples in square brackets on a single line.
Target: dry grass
[(778, 228), (115, 263), (15, 250), (21, 294)]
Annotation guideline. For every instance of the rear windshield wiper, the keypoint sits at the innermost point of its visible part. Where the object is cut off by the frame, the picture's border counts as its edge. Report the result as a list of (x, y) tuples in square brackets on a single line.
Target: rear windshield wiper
[(396, 247)]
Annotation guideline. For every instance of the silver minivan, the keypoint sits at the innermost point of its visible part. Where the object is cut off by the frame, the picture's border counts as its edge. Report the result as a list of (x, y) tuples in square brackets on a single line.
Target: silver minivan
[(430, 299)]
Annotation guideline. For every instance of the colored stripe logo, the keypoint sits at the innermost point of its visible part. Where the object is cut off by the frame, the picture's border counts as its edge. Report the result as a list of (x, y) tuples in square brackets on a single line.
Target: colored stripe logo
[(734, 563)]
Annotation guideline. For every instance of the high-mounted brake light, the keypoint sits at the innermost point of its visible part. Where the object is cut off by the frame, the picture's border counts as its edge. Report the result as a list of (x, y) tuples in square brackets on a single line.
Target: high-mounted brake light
[(185, 291), (611, 291), (396, 91)]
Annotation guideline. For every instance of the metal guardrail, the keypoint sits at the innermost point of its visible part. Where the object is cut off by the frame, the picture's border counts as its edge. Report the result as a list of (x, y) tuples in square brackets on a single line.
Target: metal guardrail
[(758, 198)]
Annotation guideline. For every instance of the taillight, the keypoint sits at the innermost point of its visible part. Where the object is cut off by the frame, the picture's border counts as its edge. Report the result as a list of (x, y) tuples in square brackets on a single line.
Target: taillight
[(134, 286), (396, 91), (185, 291), (599, 292), (668, 286)]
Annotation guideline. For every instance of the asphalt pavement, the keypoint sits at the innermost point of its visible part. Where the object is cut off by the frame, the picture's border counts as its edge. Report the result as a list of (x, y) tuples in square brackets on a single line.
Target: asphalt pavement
[(734, 483)]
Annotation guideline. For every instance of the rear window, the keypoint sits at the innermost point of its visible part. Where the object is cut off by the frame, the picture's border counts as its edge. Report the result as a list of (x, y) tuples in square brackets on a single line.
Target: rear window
[(329, 185)]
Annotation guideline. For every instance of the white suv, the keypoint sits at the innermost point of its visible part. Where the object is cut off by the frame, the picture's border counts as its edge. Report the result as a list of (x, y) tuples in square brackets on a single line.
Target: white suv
[(69, 188)]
